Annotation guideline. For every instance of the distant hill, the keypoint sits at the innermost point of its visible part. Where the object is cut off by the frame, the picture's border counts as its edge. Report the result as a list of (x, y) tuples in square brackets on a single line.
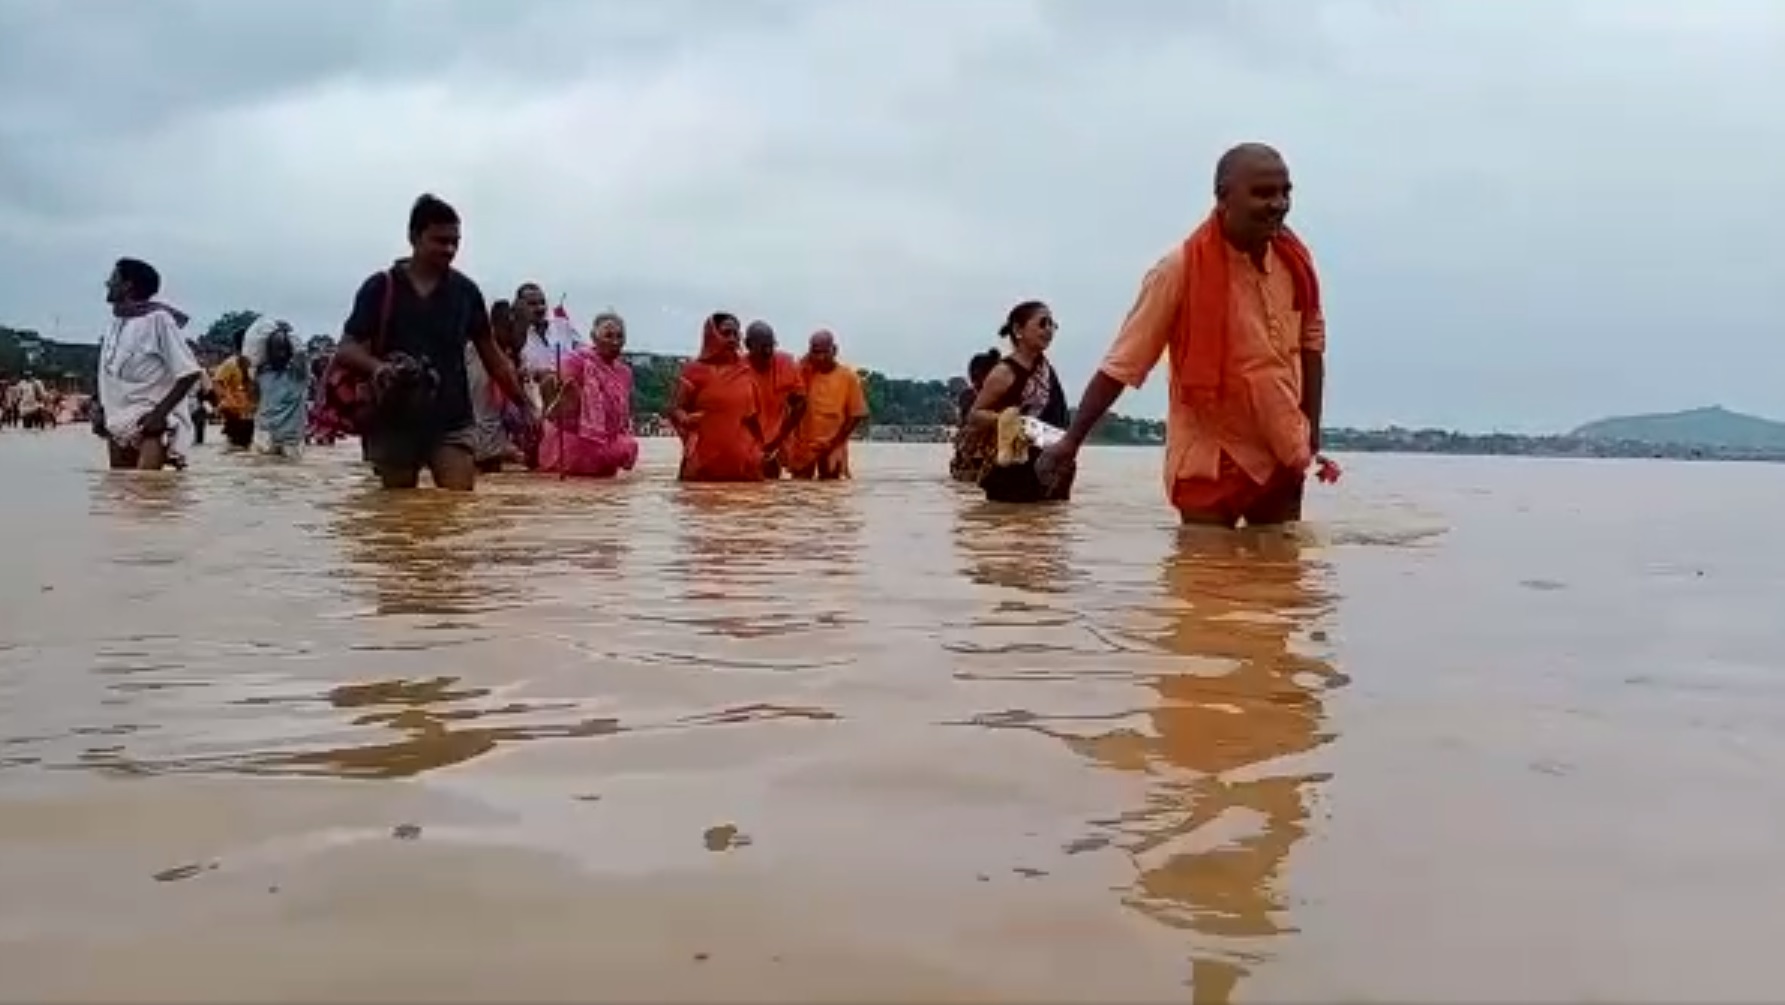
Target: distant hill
[(1713, 427)]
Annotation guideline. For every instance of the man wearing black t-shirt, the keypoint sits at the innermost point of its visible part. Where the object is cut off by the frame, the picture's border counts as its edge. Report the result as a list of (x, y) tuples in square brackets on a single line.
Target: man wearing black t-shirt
[(407, 333)]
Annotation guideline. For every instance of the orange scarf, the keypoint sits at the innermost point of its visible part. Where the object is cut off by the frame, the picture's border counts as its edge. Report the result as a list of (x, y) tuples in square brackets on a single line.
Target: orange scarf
[(1205, 316)]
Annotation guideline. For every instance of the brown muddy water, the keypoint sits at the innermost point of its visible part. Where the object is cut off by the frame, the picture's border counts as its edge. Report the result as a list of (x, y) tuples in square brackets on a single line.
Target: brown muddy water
[(1487, 730)]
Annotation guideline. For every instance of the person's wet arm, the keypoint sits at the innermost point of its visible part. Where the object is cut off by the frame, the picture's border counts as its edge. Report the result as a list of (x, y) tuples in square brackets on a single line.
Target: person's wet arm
[(996, 387), (1313, 373), (855, 412), (495, 362), (681, 413), (1136, 350), (790, 421), (753, 421), (165, 406), (546, 378), (177, 356), (361, 329)]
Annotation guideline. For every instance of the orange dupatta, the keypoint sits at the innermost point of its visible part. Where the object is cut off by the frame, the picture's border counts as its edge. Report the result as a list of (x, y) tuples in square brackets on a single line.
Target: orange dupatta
[(1205, 316)]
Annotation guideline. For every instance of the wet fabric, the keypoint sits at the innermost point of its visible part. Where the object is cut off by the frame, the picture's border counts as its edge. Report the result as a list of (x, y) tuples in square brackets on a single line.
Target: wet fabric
[(1251, 415), (230, 384), (1233, 495), (489, 439), (142, 358), (283, 410), (593, 438), (775, 389), (1035, 392), (718, 388), (833, 399), (434, 329)]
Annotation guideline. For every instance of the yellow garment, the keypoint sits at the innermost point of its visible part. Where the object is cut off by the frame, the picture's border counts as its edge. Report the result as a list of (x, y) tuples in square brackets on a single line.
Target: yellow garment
[(231, 387), (833, 398), (1013, 441)]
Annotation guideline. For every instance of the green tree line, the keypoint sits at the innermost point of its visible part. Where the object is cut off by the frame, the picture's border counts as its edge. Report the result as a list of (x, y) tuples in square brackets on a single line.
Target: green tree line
[(68, 364), (892, 401)]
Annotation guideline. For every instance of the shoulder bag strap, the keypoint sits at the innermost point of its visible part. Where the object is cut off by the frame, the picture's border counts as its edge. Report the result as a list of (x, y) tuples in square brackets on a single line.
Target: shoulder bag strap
[(384, 309)]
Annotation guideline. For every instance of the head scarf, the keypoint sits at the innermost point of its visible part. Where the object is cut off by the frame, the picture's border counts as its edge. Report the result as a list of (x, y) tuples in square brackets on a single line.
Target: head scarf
[(714, 346)]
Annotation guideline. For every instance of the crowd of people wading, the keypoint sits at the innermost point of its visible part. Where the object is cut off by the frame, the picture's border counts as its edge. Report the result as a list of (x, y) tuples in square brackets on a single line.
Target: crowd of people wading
[(429, 376)]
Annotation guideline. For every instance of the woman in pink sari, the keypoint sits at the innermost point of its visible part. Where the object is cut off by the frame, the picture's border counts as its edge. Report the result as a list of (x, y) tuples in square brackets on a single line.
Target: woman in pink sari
[(588, 431)]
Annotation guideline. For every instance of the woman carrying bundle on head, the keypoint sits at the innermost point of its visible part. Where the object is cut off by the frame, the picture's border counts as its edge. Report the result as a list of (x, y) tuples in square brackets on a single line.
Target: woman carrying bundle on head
[(1020, 403), (282, 395)]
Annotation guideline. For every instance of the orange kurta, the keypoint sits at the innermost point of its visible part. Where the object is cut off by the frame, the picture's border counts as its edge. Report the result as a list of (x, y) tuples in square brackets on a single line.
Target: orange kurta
[(718, 387), (832, 399), (775, 387), (1261, 366)]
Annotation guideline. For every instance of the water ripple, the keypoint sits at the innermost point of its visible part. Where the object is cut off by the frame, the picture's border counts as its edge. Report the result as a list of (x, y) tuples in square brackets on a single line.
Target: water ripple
[(1067, 753)]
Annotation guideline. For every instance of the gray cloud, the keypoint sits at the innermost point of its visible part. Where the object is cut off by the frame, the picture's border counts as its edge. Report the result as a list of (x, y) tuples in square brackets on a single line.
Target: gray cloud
[(1526, 212)]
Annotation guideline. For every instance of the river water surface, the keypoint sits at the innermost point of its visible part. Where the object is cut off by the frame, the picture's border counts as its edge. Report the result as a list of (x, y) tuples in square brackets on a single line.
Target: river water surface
[(1486, 730)]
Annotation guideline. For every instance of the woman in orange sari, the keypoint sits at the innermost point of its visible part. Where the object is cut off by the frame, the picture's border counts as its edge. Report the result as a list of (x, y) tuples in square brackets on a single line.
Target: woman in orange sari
[(715, 409)]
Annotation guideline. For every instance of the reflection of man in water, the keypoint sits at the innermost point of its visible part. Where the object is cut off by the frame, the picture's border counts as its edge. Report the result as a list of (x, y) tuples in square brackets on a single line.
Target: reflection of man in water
[(1027, 552), (1220, 733)]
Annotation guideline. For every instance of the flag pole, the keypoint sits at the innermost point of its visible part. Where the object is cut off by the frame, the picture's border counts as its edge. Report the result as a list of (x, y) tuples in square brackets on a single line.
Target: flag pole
[(557, 399)]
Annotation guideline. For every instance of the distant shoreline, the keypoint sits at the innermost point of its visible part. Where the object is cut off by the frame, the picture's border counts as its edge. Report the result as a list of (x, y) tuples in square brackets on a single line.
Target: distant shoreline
[(904, 404), (1348, 441), (1433, 442)]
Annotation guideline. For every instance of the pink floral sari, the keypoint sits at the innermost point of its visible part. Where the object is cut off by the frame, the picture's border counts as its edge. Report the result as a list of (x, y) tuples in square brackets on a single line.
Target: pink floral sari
[(592, 439)]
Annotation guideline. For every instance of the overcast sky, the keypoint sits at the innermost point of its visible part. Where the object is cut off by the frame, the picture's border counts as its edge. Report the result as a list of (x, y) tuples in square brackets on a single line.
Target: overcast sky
[(1528, 213)]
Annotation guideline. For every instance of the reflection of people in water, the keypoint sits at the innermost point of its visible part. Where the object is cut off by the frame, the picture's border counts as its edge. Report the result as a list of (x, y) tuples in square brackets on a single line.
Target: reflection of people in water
[(1021, 550), (749, 563), (439, 724), (1222, 729), (717, 544), (714, 544), (418, 551)]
